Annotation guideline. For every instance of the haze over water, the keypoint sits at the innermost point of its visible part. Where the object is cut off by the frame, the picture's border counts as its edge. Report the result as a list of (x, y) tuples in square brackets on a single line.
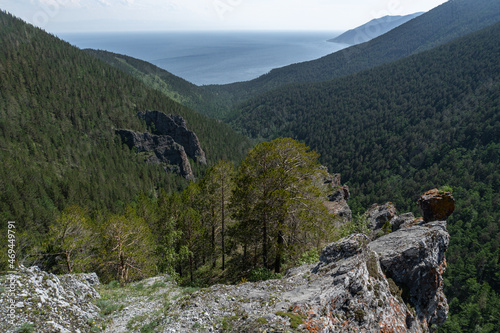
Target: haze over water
[(213, 57)]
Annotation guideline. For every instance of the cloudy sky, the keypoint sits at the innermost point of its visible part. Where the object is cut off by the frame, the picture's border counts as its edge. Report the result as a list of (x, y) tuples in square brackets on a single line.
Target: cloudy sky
[(160, 15)]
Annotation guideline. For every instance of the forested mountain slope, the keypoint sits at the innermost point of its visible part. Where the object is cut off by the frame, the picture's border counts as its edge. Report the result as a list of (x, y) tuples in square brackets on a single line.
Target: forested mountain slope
[(451, 20), (429, 120), (59, 108), (176, 88)]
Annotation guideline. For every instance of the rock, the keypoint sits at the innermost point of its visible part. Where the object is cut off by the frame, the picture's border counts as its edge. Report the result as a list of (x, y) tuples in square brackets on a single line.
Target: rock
[(392, 284), (415, 259), (163, 148), (377, 215), (48, 302), (337, 201), (175, 127), (402, 221), (436, 205)]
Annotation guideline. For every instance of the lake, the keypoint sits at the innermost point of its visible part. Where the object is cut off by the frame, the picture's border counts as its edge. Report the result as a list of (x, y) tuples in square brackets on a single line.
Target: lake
[(213, 57)]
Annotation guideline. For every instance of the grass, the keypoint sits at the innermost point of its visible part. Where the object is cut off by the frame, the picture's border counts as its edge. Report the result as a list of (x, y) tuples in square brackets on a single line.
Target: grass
[(295, 319)]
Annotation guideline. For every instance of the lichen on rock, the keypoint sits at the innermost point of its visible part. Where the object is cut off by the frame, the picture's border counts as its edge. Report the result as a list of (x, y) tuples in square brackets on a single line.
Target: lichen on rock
[(48, 302)]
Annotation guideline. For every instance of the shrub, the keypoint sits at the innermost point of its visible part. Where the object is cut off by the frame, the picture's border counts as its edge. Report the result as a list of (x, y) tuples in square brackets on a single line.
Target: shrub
[(262, 274)]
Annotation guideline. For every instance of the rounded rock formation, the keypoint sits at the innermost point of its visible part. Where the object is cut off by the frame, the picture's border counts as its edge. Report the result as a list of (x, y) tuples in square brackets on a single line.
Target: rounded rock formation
[(436, 205)]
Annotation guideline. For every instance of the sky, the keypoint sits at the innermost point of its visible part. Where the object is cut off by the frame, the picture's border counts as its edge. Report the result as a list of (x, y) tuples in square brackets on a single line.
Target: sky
[(60, 16)]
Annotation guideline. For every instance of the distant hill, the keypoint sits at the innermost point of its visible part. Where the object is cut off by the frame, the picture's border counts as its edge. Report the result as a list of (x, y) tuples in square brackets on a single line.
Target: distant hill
[(59, 109), (373, 29), (442, 24)]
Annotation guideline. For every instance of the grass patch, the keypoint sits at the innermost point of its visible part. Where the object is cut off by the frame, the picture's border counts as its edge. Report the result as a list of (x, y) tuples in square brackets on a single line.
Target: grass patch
[(107, 307), (295, 319), (25, 328)]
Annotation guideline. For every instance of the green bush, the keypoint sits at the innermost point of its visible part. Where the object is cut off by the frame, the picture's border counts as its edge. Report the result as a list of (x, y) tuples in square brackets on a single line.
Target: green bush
[(262, 274)]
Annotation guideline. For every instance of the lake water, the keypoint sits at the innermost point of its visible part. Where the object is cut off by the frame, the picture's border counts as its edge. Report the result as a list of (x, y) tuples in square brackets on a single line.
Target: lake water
[(213, 57)]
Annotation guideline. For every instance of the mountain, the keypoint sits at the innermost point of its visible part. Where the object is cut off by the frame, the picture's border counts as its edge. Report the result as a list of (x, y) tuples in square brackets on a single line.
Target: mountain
[(176, 88), (373, 29), (428, 120), (442, 24), (59, 109)]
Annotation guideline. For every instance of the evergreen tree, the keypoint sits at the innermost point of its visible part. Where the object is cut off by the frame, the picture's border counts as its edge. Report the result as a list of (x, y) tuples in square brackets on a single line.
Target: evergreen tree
[(278, 195)]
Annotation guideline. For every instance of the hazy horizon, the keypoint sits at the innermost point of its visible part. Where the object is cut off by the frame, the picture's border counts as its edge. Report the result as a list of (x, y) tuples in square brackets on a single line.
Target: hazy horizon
[(73, 16)]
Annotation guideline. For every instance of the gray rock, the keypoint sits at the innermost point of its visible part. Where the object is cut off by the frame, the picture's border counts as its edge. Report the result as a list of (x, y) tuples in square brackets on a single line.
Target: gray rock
[(337, 201), (348, 290), (164, 149), (48, 302), (377, 215), (415, 259), (175, 127), (402, 221)]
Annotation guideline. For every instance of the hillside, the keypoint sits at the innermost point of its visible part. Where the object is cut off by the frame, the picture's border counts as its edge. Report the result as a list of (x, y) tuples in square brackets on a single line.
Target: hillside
[(59, 108), (444, 23), (429, 120), (373, 29), (176, 88)]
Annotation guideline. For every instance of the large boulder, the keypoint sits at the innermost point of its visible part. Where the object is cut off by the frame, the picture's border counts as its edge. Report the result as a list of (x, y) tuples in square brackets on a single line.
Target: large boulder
[(436, 205)]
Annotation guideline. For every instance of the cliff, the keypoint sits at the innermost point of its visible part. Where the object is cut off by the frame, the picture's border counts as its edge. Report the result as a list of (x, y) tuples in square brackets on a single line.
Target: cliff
[(171, 144), (380, 282)]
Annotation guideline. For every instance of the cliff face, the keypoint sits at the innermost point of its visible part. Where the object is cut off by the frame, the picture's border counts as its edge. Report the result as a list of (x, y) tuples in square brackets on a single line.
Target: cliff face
[(163, 148), (171, 144), (175, 127)]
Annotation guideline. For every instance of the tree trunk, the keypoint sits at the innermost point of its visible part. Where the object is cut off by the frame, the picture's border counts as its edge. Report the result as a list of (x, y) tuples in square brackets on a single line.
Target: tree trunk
[(191, 267), (68, 261), (264, 243), (222, 227), (279, 253), (214, 256)]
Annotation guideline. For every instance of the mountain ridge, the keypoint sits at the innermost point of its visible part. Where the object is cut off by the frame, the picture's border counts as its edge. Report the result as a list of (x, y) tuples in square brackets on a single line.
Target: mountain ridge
[(373, 29), (444, 23)]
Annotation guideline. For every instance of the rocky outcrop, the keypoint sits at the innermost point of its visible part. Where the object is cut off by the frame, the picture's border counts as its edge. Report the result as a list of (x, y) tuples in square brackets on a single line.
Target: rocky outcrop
[(415, 259), (392, 284), (163, 149), (337, 201), (436, 205), (175, 127), (378, 215), (48, 303), (171, 143)]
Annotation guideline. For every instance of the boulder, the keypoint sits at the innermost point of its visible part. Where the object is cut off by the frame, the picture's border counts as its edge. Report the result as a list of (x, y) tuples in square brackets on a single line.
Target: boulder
[(436, 205), (402, 221), (175, 127)]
